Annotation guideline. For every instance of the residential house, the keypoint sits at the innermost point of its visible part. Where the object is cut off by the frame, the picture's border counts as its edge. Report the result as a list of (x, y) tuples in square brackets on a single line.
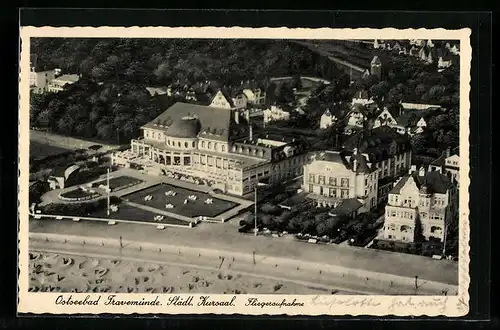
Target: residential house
[(444, 62), (154, 91), (39, 81), (407, 121), (430, 44), (327, 119), (386, 149), (224, 100), (363, 98), (357, 116), (421, 204), (331, 178), (448, 163), (57, 84), (455, 50), (275, 113), (255, 96), (396, 47), (414, 51)]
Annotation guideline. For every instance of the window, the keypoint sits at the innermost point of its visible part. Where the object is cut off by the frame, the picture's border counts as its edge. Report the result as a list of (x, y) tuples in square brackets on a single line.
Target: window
[(311, 177), (215, 146), (192, 145), (218, 163), (186, 145), (311, 188), (179, 144), (366, 182), (321, 179), (209, 145), (332, 192), (223, 148), (203, 144), (153, 135), (344, 182), (344, 193), (333, 181)]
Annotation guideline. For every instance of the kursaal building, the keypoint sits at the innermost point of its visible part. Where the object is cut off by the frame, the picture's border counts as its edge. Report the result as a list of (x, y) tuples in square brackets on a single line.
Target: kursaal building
[(214, 144)]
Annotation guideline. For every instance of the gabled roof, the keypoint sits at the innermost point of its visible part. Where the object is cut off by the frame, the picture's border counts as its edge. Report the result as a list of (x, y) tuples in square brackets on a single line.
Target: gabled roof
[(226, 95), (379, 143), (403, 120), (347, 206), (434, 182)]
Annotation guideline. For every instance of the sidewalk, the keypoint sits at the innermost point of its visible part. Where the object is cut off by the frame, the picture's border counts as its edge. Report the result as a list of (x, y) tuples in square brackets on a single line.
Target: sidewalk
[(312, 274)]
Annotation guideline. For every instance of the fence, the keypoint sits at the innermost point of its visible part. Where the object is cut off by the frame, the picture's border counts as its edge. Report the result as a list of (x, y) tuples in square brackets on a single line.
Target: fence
[(112, 221)]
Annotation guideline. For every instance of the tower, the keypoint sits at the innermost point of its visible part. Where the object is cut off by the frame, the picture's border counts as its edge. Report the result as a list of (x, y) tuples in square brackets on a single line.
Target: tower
[(376, 67)]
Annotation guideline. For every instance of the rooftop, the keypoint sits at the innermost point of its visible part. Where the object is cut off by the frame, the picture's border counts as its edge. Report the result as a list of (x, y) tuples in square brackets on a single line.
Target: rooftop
[(347, 207), (435, 182)]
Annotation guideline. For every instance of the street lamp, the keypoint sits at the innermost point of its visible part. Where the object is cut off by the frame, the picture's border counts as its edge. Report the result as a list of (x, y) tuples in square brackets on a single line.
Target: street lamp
[(259, 184)]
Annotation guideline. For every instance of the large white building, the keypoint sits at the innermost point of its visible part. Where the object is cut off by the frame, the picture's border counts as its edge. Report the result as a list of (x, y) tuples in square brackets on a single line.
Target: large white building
[(39, 81), (216, 145), (422, 204), (448, 163), (331, 178)]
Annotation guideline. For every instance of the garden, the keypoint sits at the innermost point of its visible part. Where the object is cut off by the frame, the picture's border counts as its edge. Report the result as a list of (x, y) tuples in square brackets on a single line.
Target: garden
[(310, 223), (118, 183), (185, 202), (79, 194)]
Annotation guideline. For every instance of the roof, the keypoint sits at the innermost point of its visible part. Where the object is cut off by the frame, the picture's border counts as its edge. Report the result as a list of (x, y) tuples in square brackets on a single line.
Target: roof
[(226, 95), (376, 60), (440, 160), (379, 143), (186, 127), (404, 119), (338, 157), (215, 123), (294, 200), (434, 182), (347, 206), (156, 90), (69, 78)]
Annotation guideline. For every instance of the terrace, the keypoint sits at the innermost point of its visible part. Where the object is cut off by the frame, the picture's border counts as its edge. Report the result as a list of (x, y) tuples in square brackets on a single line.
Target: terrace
[(181, 203)]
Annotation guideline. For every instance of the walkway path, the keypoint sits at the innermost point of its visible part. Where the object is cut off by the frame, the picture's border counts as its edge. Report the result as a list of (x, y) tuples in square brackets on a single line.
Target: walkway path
[(225, 237), (280, 269)]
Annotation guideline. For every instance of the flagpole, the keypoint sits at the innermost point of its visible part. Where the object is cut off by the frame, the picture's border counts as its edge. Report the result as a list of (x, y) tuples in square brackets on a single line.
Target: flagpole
[(255, 204), (108, 191)]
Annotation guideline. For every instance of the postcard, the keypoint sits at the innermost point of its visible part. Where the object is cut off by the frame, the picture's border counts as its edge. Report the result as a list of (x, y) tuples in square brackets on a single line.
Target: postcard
[(234, 170)]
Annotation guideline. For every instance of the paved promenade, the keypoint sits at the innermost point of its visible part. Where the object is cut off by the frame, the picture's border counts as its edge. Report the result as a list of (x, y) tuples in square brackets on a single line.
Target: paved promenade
[(225, 237), (281, 269)]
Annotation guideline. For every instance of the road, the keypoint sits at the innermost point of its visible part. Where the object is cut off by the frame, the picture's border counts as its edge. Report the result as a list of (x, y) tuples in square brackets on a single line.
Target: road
[(357, 262), (278, 269)]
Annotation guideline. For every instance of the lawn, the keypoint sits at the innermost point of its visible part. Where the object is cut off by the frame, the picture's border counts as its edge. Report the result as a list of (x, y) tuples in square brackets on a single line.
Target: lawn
[(39, 150), (76, 193), (119, 182), (127, 212), (191, 209)]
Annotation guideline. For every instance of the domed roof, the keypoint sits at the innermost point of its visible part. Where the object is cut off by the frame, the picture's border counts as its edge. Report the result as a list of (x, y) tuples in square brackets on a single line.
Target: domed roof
[(186, 127)]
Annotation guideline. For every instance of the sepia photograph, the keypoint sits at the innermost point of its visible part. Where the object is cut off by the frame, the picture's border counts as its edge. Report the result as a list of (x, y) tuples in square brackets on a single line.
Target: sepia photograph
[(195, 170)]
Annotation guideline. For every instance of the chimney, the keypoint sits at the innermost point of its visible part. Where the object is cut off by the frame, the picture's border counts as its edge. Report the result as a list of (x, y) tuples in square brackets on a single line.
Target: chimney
[(236, 116), (448, 152), (354, 165), (355, 151), (250, 132)]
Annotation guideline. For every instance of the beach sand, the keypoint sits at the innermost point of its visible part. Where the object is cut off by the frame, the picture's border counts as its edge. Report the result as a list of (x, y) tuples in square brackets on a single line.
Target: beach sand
[(51, 272)]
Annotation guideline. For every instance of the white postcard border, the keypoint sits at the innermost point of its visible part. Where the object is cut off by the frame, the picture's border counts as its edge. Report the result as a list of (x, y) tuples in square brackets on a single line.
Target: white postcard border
[(313, 305)]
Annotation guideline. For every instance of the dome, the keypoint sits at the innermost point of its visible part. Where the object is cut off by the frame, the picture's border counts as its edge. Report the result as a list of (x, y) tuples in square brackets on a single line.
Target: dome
[(187, 127), (70, 170)]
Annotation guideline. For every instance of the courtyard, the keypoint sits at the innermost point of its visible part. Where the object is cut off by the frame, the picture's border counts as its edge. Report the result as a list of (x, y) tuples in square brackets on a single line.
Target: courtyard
[(180, 202)]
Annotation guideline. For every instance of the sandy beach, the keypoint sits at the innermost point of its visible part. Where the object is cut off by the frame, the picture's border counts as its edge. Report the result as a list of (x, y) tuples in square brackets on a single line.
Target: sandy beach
[(50, 272)]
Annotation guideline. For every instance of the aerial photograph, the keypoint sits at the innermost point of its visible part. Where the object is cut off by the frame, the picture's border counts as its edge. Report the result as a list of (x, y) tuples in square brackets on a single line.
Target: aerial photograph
[(244, 166)]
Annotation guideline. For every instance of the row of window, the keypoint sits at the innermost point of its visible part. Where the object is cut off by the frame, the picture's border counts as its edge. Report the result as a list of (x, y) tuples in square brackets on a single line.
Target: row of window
[(331, 192), (402, 228), (400, 214), (332, 181)]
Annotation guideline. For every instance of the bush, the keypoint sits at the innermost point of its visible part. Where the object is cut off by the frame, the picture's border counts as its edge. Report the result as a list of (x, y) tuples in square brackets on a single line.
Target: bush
[(78, 209)]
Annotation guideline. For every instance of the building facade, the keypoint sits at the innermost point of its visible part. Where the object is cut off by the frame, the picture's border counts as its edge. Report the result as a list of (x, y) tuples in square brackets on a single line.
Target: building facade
[(387, 150), (330, 178), (448, 163), (215, 145), (275, 113), (39, 81), (327, 119), (420, 206), (57, 84)]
